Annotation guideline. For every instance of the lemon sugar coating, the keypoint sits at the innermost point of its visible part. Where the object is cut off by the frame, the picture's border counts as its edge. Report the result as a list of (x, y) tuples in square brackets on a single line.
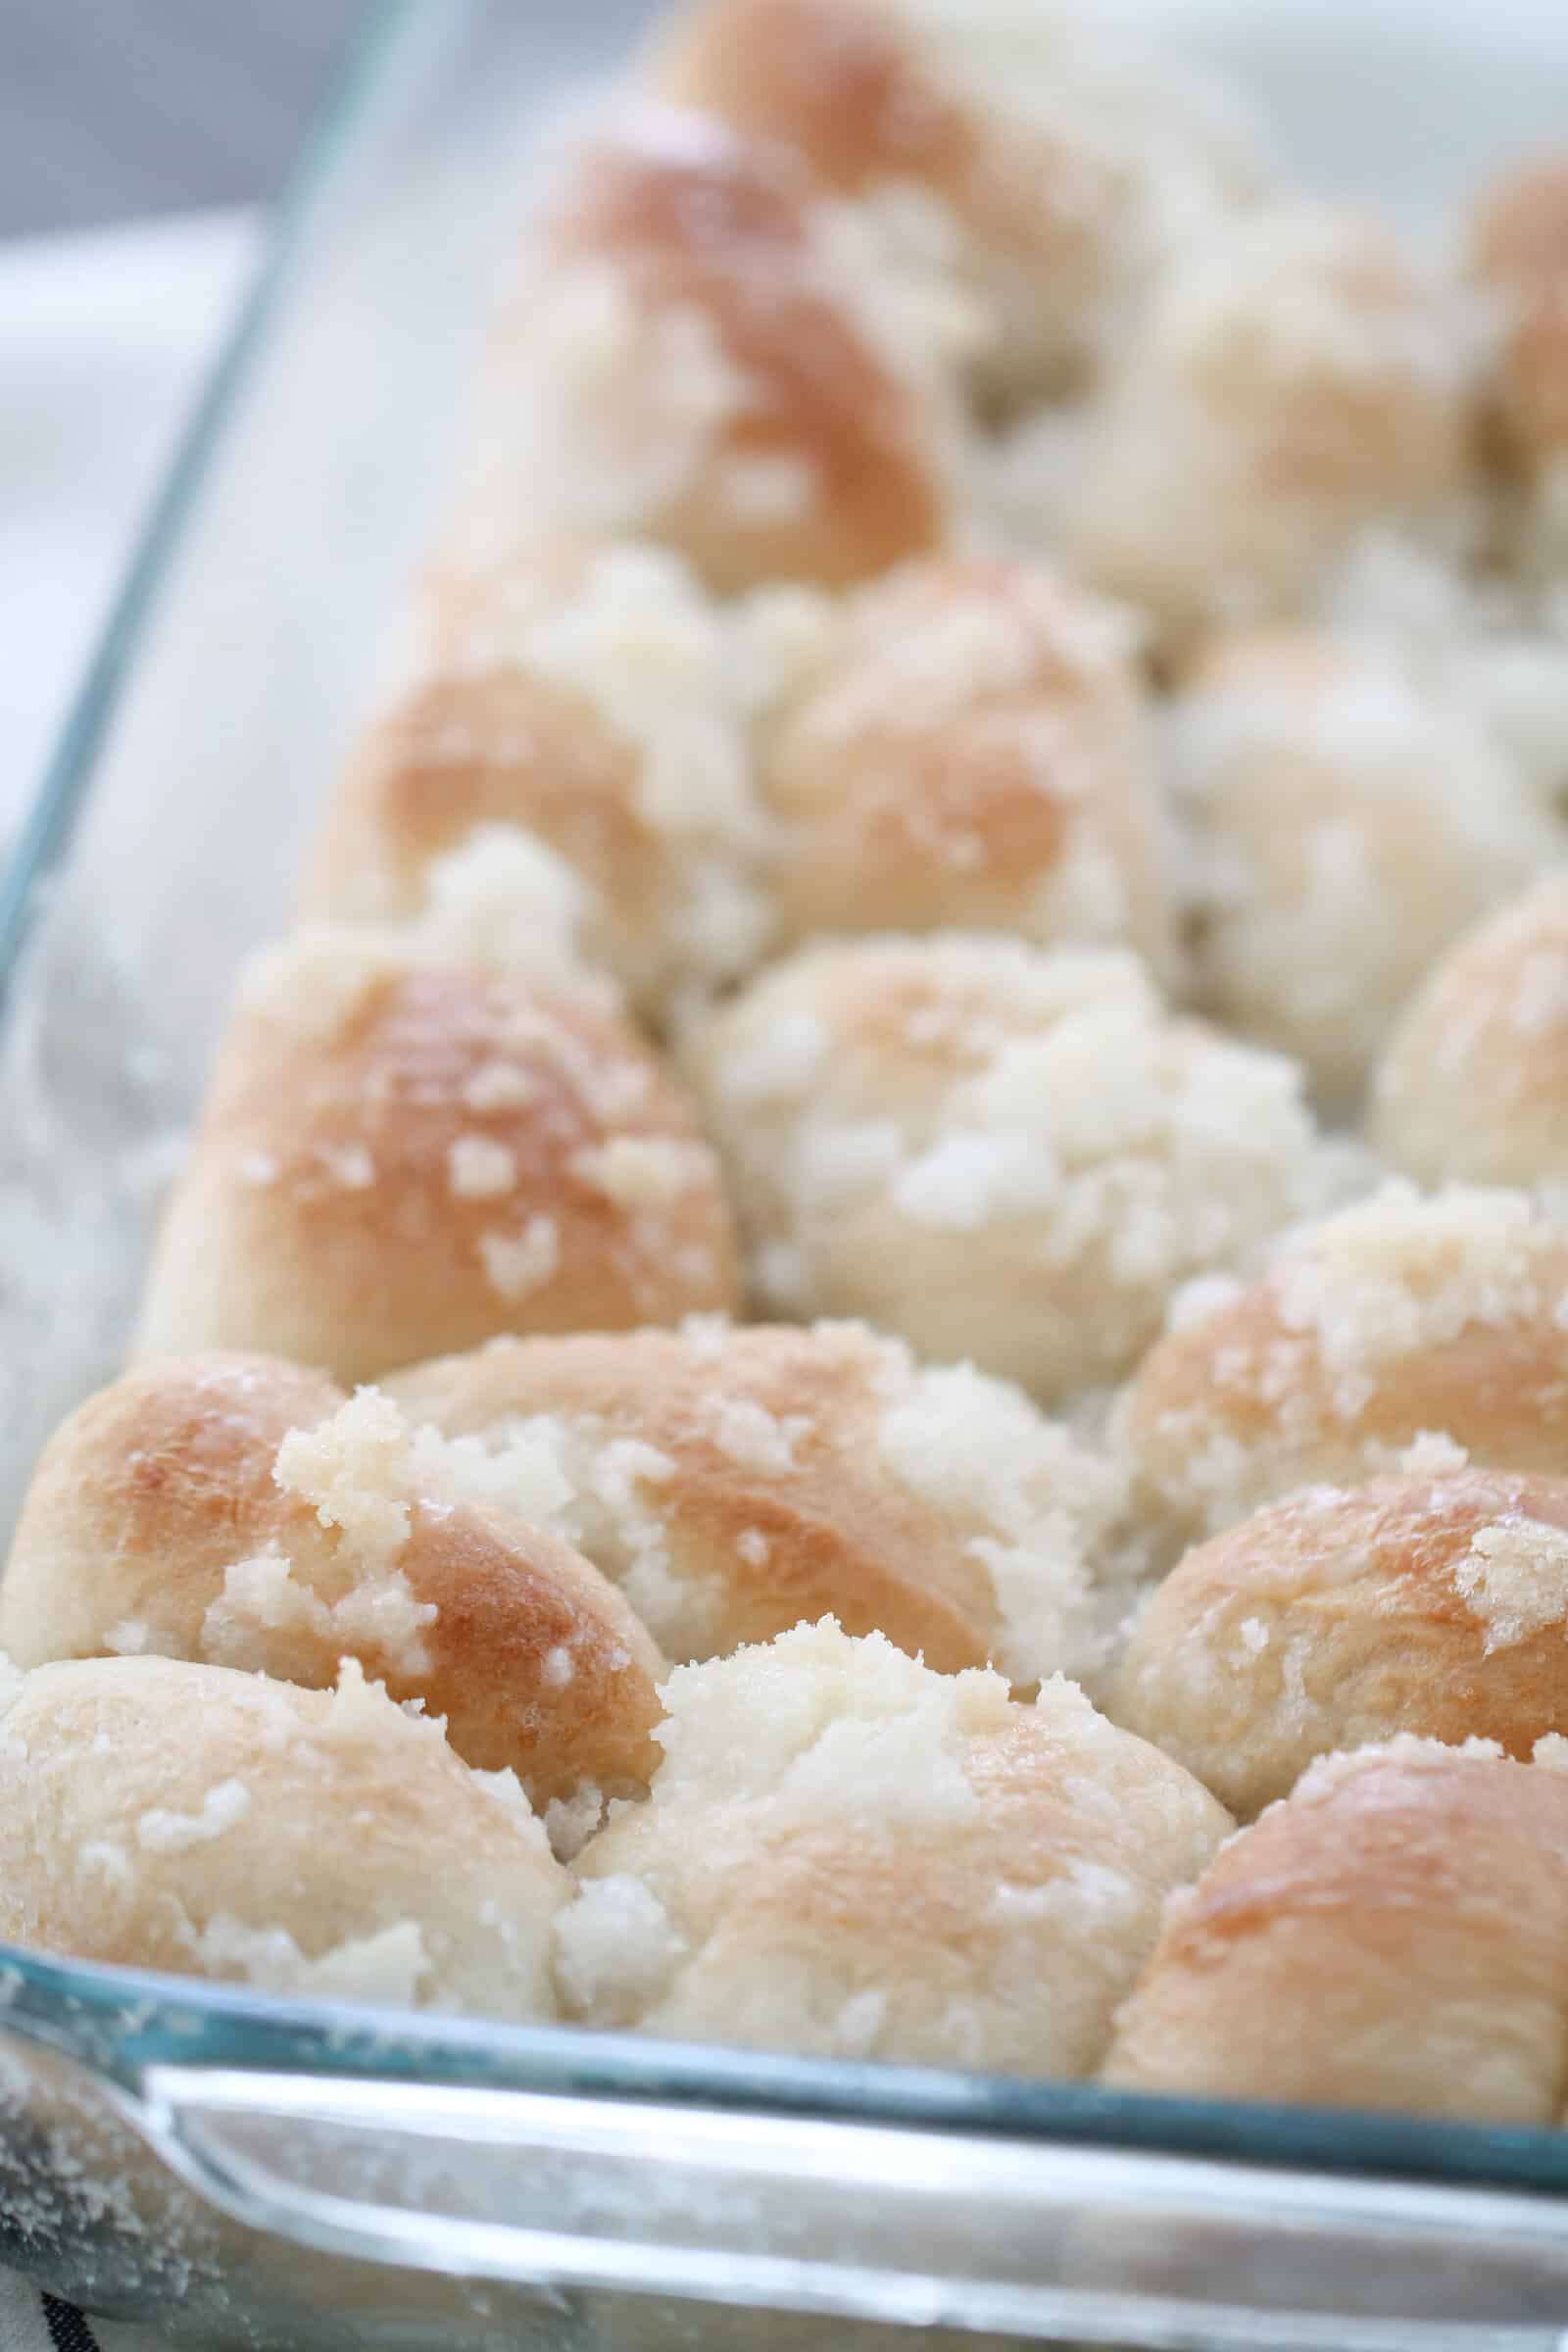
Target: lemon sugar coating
[(845, 1852), (997, 1153)]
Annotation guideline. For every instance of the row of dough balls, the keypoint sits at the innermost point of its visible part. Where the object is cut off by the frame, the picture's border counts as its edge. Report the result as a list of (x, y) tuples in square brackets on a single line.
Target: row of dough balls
[(770, 310), (998, 1153), (1365, 1445), (687, 787), (844, 1853)]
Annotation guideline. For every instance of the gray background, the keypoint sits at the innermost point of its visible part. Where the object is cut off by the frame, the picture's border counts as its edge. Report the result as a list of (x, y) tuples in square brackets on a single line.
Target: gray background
[(114, 109)]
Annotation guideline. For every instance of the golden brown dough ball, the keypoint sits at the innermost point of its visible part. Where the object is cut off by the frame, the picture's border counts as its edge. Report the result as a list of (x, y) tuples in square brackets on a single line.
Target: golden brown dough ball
[(319, 1844), (1390, 1937), (1293, 383), (1519, 250), (1348, 819), (700, 350), (596, 701), (846, 1853), (1434, 1603), (400, 1155), (733, 1482), (1054, 166), (1474, 1084), (239, 1511), (971, 748), (1402, 1322), (998, 1154)]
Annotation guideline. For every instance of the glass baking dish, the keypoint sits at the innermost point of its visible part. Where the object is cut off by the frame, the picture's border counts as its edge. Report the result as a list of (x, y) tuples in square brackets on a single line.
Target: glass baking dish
[(254, 2172)]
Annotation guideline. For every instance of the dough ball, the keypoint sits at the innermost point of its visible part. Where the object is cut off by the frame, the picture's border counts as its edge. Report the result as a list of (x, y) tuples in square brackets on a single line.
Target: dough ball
[(322, 1845), (1390, 1937), (846, 1853), (240, 1512), (1474, 1084), (998, 1154), (1438, 1324), (1348, 821), (972, 747), (1436, 1602), (401, 1155)]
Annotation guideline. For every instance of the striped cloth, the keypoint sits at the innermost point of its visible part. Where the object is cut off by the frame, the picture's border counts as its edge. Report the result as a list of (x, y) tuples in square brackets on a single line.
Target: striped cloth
[(34, 2321)]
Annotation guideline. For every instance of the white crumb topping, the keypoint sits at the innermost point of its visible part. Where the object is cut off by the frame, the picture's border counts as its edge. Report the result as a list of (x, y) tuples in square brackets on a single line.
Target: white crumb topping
[(502, 897), (983, 1456), (516, 1264), (347, 1469), (499, 1086), (834, 1726), (615, 1947), (753, 1438), (644, 1171), (388, 1967), (162, 1832), (1400, 1272), (1002, 1152), (262, 1598), (1391, 821), (349, 1165), (1515, 1578), (478, 1168), (570, 1820)]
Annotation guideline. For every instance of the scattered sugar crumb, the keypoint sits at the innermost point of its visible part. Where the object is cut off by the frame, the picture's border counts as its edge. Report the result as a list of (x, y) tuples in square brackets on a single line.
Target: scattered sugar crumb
[(517, 1264)]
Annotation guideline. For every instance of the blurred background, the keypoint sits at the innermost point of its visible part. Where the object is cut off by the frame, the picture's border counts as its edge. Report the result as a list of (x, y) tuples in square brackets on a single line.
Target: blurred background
[(111, 109), (141, 142)]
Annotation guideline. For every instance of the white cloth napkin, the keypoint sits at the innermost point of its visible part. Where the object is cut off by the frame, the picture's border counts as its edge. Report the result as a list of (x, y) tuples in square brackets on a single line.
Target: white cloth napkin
[(103, 340)]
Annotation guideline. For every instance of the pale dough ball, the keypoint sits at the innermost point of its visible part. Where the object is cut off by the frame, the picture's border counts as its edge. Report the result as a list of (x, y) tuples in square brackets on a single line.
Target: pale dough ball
[(998, 1154), (700, 349), (1474, 1084), (1389, 1936), (1053, 165), (1519, 252), (240, 1512), (598, 702), (973, 747), (1399, 1323), (846, 1853), (1436, 1602), (734, 1481), (401, 1153), (1293, 383), (319, 1844), (1349, 820)]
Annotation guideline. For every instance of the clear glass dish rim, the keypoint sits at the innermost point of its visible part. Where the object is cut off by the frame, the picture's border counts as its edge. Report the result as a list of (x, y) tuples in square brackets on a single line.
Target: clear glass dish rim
[(119, 2021)]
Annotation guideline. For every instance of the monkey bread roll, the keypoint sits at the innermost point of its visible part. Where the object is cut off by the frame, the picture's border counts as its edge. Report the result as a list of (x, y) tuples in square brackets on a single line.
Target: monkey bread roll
[(401, 1153), (1294, 382), (1054, 169), (998, 1153), (1349, 820), (596, 701), (1390, 1936), (972, 747), (1436, 1602), (1435, 1324), (846, 1853), (1473, 1083), (172, 1816), (1519, 255), (700, 349), (240, 1512), (733, 1482)]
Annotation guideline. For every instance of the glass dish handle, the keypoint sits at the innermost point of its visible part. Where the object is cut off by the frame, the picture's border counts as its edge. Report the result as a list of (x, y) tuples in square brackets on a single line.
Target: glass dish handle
[(881, 2222)]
